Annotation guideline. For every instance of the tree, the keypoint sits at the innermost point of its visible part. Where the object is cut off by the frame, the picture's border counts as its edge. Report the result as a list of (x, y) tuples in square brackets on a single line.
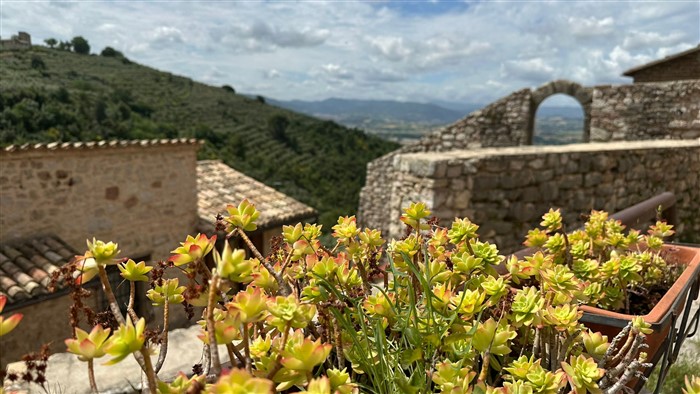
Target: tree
[(80, 45), (65, 46), (38, 63), (111, 52), (51, 42), (228, 88), (277, 125)]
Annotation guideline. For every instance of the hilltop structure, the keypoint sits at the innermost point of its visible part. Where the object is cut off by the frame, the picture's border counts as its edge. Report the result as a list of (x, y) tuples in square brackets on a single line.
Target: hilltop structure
[(145, 195), (21, 40), (680, 66), (482, 167)]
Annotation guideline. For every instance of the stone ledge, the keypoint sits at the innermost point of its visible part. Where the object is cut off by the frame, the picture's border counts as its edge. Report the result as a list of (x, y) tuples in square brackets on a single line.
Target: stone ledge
[(530, 150)]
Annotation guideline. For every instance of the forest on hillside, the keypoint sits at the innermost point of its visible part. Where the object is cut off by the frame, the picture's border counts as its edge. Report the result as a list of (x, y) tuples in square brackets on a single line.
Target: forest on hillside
[(55, 95)]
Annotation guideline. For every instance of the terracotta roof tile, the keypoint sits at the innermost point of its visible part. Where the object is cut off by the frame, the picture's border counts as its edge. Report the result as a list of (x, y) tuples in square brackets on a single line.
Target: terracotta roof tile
[(100, 144), (26, 266), (219, 185)]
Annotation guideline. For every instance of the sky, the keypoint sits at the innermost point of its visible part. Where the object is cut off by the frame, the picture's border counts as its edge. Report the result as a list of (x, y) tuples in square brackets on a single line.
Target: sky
[(425, 51)]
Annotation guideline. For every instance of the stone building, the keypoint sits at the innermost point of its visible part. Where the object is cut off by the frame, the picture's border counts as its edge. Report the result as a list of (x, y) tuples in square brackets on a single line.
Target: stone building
[(680, 66), (217, 183), (21, 40), (482, 166), (145, 195)]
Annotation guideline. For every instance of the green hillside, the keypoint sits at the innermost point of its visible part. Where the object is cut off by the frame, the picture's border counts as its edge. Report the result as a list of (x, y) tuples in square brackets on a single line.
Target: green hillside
[(51, 95)]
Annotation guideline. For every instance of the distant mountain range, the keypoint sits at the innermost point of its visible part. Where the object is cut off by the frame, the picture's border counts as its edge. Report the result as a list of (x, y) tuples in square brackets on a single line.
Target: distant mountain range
[(398, 120), (357, 111)]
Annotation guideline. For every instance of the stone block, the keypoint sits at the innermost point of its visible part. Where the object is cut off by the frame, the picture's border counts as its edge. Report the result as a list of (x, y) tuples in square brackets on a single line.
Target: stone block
[(454, 171), (524, 211), (592, 179), (543, 175), (598, 134), (536, 163), (112, 193), (531, 194), (570, 181), (485, 181), (462, 199), (549, 191)]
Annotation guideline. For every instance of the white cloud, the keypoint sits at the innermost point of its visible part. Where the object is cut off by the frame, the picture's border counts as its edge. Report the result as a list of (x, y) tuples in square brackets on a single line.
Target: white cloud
[(262, 36), (166, 35), (535, 70), (336, 71), (591, 26), (271, 74), (391, 48), (642, 39), (356, 49)]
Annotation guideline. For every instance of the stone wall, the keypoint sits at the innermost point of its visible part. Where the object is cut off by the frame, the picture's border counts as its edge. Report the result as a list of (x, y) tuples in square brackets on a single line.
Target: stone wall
[(506, 190), (502, 123), (142, 197), (140, 194), (669, 110)]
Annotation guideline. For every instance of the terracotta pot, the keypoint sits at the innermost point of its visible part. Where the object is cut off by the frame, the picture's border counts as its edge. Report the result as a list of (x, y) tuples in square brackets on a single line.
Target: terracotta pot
[(663, 315)]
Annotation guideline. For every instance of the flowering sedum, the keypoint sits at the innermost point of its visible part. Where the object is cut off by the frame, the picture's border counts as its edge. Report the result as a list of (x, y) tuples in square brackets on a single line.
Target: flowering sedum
[(427, 313), (126, 339), (134, 272), (88, 346), (9, 324)]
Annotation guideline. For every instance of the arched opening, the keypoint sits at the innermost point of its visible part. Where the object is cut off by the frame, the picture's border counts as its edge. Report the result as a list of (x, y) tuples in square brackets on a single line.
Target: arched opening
[(569, 90), (559, 120)]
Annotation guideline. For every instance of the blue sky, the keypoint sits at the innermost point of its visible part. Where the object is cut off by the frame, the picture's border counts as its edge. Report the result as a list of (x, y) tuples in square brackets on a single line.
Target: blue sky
[(466, 51)]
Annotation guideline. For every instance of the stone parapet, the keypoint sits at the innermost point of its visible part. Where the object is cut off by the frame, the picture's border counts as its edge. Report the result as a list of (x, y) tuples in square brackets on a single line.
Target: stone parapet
[(506, 190)]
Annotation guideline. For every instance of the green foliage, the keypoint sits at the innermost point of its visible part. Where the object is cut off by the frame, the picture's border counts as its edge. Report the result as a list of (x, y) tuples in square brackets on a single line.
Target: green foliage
[(309, 319), (111, 52), (80, 45), (51, 42), (38, 63), (688, 364), (610, 266), (95, 98), (228, 88)]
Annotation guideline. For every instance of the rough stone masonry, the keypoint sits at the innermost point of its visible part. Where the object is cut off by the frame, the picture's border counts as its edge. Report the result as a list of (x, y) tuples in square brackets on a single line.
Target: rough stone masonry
[(522, 180)]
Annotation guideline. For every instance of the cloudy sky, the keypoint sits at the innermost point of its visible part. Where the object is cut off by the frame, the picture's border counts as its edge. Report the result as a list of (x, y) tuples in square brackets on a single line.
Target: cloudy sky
[(466, 51)]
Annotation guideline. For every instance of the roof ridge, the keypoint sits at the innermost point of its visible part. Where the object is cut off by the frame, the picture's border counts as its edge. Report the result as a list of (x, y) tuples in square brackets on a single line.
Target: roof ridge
[(101, 144), (652, 63)]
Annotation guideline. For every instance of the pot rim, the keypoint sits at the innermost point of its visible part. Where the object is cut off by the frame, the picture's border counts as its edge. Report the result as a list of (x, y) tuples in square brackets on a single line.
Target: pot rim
[(660, 315)]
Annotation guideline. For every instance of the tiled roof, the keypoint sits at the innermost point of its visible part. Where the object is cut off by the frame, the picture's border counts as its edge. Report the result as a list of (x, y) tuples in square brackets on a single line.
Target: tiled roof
[(26, 266), (219, 185), (100, 144)]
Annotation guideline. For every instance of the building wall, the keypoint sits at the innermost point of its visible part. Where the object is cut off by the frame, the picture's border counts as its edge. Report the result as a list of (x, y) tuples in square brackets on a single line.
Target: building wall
[(506, 190), (686, 67), (142, 197), (43, 322)]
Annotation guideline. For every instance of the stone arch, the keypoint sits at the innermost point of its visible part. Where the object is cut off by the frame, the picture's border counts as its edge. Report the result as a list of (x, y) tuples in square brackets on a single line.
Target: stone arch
[(582, 94)]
